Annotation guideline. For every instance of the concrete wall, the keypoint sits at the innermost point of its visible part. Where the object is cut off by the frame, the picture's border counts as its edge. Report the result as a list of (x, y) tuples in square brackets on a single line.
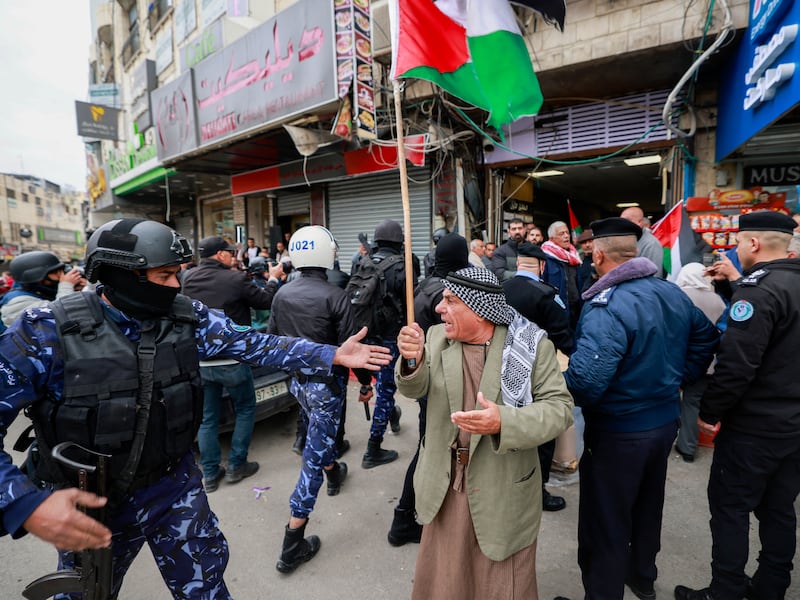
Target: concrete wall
[(598, 29)]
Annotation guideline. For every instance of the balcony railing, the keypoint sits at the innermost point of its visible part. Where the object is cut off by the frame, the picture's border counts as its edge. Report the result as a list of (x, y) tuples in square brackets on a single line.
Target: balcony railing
[(157, 10), (131, 45)]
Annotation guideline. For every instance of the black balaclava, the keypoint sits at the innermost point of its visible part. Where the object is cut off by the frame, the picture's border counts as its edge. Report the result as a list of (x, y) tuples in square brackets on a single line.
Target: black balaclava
[(452, 254), (135, 296), (46, 288)]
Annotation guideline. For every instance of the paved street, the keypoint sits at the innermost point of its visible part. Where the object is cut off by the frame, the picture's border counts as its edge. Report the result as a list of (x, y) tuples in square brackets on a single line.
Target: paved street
[(355, 560)]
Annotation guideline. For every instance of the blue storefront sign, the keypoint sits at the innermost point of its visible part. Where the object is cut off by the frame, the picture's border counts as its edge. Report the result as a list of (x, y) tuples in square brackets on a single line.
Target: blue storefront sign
[(762, 83)]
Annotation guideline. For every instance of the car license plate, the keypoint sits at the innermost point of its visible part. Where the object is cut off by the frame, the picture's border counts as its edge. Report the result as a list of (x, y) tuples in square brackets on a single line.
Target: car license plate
[(270, 391)]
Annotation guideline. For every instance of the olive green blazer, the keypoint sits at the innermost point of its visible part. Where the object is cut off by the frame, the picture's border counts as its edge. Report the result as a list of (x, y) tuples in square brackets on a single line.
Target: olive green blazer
[(503, 481)]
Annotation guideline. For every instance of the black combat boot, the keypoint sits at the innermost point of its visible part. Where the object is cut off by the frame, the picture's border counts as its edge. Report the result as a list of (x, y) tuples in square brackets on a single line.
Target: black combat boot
[(375, 455), (296, 549), (405, 528), (335, 477), (394, 420), (299, 443)]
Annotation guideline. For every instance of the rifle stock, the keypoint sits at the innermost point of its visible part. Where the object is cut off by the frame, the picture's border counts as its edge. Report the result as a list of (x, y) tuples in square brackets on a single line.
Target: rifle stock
[(94, 577)]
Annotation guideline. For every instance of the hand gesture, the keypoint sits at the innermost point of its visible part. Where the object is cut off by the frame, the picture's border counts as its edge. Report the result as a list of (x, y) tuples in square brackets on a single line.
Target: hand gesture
[(57, 520), (73, 276), (707, 427), (355, 355), (276, 271), (411, 342), (483, 422), (723, 269)]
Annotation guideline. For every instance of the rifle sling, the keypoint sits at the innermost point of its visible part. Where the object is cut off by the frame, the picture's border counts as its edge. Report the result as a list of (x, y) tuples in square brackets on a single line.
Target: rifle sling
[(146, 353)]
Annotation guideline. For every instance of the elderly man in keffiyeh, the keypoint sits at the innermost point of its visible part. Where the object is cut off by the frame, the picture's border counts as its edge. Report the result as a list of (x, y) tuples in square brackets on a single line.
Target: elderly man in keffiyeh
[(563, 269), (495, 392)]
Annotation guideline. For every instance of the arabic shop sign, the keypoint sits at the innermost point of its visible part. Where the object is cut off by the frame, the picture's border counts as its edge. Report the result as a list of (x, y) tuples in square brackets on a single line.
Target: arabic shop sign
[(284, 67), (759, 85), (96, 121)]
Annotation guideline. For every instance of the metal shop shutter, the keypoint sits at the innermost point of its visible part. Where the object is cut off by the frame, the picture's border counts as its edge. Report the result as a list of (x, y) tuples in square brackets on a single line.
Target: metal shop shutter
[(294, 204), (358, 205)]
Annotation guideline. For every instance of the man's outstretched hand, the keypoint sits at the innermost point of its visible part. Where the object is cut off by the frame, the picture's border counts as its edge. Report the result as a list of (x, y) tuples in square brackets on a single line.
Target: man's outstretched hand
[(355, 355)]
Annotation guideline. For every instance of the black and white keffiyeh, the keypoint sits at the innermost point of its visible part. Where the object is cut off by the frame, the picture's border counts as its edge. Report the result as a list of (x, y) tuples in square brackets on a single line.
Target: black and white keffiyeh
[(480, 290)]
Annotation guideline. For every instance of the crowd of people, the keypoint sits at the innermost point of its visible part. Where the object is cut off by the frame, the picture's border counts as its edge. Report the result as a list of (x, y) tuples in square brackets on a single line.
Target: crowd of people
[(650, 364)]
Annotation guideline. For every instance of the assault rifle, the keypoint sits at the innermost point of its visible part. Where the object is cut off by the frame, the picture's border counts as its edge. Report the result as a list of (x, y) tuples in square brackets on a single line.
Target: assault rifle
[(93, 577)]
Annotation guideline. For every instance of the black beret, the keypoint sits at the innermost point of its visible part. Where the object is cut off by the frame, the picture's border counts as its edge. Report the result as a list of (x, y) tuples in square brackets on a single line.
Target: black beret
[(767, 220), (209, 246), (531, 251), (613, 227)]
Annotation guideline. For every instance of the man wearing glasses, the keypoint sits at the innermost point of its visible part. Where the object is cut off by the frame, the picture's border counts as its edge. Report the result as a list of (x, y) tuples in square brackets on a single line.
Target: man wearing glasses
[(217, 285)]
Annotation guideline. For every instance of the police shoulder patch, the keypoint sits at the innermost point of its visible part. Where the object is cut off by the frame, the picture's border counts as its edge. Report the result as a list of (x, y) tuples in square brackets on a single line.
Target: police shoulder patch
[(741, 310), (603, 297), (754, 277)]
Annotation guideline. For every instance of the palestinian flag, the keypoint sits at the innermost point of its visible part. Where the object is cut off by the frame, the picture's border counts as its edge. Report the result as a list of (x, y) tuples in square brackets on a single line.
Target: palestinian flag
[(472, 49), (573, 223), (676, 236)]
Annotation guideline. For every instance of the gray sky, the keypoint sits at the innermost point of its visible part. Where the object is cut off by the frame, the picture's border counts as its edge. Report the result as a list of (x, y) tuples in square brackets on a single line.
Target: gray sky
[(44, 54)]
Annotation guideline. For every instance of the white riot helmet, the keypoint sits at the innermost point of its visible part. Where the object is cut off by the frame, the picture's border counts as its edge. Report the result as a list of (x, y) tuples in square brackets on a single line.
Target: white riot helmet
[(312, 246)]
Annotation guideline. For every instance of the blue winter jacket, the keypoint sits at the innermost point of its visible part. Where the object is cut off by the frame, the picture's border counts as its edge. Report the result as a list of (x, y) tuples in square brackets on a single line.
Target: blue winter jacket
[(639, 339)]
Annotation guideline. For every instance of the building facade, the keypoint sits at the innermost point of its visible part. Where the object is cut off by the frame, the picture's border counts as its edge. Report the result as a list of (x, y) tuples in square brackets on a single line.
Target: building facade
[(41, 215), (250, 119)]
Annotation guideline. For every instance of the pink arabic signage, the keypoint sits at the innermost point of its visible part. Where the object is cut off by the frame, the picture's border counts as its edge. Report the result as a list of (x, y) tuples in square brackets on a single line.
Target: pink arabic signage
[(282, 68)]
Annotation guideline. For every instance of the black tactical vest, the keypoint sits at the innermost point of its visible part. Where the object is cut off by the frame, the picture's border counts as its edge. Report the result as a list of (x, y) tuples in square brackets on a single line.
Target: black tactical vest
[(101, 380)]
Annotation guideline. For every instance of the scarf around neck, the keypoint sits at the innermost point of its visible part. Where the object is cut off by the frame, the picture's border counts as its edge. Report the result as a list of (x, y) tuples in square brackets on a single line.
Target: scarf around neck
[(569, 256), (519, 354)]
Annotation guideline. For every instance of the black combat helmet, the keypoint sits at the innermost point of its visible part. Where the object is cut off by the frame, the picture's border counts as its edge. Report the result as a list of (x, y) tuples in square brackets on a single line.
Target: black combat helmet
[(135, 244), (32, 267)]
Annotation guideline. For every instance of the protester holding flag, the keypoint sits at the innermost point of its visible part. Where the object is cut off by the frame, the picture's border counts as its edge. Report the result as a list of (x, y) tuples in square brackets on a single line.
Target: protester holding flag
[(649, 246), (562, 269)]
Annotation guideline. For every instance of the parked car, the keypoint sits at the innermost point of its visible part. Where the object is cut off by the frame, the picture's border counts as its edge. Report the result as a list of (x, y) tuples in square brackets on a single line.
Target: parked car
[(272, 397)]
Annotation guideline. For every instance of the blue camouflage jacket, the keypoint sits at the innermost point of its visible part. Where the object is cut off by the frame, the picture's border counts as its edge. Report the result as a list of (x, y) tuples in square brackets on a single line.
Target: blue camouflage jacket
[(32, 366)]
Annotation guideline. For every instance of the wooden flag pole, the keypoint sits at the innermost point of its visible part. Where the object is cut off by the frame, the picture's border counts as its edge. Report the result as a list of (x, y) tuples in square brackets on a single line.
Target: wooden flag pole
[(401, 163)]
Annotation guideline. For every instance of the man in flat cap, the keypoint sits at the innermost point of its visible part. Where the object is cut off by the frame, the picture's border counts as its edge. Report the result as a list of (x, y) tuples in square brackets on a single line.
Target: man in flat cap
[(495, 393), (639, 339), (540, 303), (755, 397)]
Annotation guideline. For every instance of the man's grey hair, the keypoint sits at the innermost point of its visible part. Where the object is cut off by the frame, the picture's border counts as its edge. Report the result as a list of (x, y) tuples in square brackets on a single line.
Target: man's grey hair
[(474, 244), (794, 246), (551, 231)]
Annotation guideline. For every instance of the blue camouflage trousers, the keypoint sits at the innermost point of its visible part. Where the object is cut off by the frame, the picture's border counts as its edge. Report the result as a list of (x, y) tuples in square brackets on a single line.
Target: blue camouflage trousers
[(385, 389), (174, 518), (322, 409)]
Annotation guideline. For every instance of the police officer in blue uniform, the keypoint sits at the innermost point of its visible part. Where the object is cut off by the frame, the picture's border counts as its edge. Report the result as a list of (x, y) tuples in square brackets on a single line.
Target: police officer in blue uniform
[(55, 364), (317, 310), (755, 397)]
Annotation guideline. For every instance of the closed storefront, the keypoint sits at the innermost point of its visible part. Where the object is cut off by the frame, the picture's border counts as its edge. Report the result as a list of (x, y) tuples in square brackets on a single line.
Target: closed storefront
[(358, 205)]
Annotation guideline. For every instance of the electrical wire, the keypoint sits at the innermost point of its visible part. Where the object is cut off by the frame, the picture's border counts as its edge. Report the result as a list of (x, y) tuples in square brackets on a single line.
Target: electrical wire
[(725, 31)]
